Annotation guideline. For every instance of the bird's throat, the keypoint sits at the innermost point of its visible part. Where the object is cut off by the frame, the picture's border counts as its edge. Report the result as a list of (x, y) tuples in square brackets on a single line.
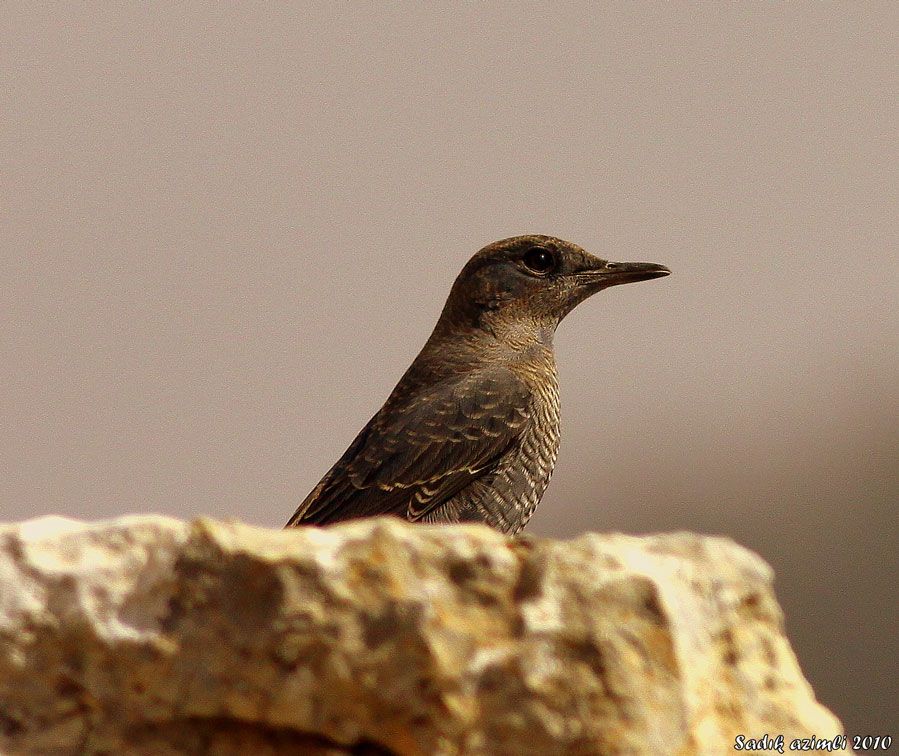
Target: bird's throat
[(521, 334)]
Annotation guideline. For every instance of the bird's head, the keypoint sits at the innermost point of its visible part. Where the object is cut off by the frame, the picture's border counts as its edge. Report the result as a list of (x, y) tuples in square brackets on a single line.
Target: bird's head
[(534, 281)]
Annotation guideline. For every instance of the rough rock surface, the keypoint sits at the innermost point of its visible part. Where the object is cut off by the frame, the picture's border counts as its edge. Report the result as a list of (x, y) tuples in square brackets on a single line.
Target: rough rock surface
[(151, 635)]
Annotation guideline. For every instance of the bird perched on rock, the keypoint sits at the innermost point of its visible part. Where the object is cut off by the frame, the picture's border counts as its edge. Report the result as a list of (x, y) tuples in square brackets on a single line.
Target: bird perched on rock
[(471, 431)]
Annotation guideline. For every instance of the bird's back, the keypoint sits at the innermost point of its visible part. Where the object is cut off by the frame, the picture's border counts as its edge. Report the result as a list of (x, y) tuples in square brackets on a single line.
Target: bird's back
[(473, 443)]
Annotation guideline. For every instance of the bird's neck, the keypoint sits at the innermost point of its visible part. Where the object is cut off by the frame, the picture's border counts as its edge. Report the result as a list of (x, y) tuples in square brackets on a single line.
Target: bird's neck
[(521, 334), (494, 341)]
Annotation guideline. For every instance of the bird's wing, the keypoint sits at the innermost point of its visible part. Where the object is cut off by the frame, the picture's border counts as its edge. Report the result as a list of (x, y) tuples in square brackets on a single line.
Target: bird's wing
[(415, 455)]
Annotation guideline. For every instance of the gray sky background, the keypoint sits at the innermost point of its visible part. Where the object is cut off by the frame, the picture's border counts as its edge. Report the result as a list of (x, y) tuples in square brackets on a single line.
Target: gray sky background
[(226, 231)]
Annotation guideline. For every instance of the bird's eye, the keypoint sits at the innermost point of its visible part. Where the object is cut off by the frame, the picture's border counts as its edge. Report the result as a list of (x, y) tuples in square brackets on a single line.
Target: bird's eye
[(539, 260)]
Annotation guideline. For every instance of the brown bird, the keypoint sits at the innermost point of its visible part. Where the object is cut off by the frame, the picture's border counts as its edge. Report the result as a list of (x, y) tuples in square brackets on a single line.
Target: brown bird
[(471, 431)]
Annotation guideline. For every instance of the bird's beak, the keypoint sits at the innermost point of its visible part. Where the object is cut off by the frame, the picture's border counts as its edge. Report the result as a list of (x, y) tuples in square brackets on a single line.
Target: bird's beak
[(621, 273), (614, 273)]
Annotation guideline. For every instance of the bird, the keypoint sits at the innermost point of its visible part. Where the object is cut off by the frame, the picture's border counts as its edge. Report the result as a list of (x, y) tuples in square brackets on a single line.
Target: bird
[(470, 434)]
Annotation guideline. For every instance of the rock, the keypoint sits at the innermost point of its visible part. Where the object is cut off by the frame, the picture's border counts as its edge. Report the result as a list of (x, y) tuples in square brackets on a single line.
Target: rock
[(150, 635)]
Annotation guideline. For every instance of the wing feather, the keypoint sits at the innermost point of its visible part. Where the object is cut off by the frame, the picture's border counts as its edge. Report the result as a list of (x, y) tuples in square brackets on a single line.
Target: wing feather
[(417, 453)]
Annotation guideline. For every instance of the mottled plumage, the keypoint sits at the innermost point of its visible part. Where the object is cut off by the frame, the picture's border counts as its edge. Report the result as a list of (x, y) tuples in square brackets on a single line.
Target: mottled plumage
[(471, 431)]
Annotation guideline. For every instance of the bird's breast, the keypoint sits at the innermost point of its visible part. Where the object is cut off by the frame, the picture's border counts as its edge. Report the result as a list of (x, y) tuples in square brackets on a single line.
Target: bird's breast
[(529, 465), (543, 435)]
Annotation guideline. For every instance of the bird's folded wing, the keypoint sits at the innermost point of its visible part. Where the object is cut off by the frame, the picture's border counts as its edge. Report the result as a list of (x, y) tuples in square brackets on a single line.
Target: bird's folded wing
[(421, 450)]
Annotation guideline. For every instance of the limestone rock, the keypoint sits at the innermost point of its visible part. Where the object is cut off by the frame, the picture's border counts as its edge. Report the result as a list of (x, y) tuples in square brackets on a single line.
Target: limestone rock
[(151, 635)]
